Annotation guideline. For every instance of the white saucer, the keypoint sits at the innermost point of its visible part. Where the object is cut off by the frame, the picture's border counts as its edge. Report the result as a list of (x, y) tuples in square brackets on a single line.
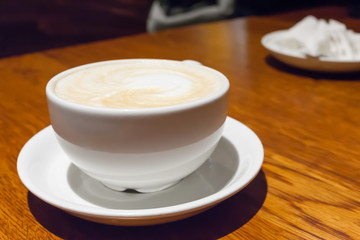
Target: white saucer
[(297, 60), (47, 172)]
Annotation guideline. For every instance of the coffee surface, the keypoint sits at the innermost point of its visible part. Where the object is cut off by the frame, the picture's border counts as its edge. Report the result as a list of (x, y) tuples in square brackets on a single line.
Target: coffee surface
[(138, 84)]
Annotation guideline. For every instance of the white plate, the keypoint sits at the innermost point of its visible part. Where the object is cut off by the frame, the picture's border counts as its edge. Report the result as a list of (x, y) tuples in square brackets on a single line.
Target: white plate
[(299, 61), (47, 172)]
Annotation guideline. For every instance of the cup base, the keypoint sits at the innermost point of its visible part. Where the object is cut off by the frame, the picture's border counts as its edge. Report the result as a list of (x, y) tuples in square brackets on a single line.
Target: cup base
[(141, 190), (145, 173)]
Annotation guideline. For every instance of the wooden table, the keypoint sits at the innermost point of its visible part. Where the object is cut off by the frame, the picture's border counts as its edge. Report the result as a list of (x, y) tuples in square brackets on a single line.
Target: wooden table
[(309, 124)]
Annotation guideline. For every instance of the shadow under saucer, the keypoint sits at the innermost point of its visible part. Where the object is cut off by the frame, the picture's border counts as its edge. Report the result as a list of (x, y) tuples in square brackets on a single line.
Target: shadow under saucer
[(335, 76)]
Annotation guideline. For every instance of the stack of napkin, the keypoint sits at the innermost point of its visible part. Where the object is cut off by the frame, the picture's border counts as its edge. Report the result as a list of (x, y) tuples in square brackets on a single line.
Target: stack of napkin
[(312, 37)]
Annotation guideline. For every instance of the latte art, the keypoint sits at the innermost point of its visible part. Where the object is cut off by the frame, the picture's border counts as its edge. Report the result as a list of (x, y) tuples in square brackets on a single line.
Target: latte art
[(138, 84)]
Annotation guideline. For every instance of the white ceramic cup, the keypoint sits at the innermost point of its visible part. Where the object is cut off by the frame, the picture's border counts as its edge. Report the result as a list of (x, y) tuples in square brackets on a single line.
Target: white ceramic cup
[(146, 149)]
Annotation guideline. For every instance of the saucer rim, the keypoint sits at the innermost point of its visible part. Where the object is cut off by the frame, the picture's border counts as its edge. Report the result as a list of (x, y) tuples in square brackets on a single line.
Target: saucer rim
[(227, 191)]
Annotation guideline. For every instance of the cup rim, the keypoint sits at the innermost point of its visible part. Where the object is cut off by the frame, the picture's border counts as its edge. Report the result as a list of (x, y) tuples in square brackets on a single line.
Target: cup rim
[(136, 111)]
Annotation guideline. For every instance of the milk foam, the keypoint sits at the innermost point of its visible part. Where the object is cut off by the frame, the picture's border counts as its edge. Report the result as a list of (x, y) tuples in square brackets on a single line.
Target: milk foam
[(138, 84)]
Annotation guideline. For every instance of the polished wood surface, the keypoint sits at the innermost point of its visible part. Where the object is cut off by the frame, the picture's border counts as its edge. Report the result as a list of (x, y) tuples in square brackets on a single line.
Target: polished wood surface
[(309, 124)]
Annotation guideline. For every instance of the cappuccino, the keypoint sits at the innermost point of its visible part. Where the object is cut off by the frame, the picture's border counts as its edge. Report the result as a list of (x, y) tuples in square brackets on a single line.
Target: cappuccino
[(150, 122), (139, 84)]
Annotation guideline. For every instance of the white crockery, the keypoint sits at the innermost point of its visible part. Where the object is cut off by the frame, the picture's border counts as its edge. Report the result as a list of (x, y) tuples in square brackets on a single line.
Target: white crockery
[(142, 149), (48, 173), (298, 60)]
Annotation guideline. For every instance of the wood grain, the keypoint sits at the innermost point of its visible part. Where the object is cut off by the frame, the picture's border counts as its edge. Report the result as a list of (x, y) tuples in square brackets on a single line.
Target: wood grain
[(309, 186)]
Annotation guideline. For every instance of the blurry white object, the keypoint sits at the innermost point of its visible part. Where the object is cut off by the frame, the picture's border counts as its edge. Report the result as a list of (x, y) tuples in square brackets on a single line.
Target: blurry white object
[(158, 20), (315, 44)]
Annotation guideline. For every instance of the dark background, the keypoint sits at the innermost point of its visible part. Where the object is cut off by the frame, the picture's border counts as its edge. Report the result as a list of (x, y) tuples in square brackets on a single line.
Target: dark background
[(28, 26)]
